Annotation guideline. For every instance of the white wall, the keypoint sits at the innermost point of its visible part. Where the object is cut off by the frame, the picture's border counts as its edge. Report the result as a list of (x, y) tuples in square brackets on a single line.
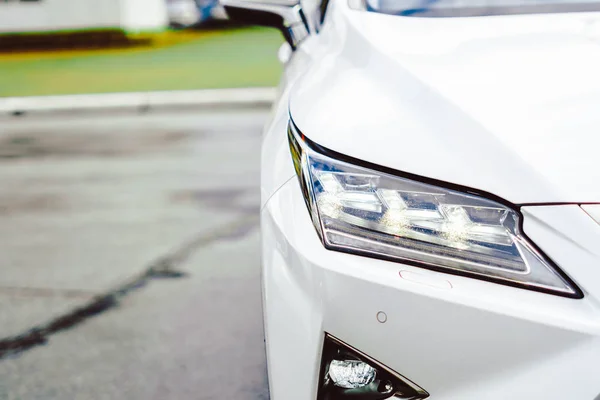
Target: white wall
[(143, 15), (47, 15)]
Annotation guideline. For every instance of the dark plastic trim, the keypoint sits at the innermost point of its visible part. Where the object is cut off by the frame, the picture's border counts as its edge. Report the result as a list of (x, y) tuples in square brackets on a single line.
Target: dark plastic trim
[(411, 390), (259, 17)]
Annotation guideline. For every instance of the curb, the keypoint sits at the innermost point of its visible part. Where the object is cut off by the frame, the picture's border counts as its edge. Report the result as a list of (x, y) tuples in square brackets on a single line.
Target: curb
[(142, 101)]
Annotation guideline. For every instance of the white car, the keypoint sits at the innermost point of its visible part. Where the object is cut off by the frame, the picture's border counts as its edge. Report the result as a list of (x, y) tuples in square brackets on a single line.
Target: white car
[(430, 200)]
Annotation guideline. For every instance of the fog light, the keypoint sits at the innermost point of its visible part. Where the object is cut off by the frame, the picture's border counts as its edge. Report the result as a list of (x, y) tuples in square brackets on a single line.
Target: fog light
[(351, 374), (347, 373)]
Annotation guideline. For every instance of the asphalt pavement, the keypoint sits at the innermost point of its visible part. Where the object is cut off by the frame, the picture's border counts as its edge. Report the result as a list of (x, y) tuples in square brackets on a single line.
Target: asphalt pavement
[(129, 251)]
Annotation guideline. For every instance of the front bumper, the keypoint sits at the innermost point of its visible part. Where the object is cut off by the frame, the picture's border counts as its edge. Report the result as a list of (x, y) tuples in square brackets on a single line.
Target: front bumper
[(458, 338)]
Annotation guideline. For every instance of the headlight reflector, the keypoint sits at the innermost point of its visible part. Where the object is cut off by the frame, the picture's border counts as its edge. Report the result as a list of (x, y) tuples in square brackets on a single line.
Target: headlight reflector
[(369, 212)]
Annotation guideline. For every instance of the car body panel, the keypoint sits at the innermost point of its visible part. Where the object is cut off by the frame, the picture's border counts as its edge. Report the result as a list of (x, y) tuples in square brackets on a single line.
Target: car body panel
[(502, 104), (487, 103), (277, 167), (471, 339)]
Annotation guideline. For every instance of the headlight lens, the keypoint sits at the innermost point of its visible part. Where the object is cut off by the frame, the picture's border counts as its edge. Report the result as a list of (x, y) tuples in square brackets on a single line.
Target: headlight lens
[(365, 211)]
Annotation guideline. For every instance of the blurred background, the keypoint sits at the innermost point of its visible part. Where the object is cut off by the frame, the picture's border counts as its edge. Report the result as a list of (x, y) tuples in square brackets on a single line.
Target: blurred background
[(129, 243), (50, 47)]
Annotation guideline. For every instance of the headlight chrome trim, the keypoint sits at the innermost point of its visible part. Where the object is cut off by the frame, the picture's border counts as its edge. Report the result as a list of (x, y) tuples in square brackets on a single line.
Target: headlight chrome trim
[(297, 139)]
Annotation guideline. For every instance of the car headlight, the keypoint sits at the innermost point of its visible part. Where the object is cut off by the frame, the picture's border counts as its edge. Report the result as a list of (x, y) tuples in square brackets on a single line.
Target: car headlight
[(374, 213)]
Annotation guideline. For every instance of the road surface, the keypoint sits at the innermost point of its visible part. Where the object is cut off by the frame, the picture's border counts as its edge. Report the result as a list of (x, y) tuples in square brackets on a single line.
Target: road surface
[(130, 257)]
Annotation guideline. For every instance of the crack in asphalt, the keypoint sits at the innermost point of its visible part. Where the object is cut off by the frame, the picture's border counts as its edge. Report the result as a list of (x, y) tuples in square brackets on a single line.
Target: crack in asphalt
[(164, 267)]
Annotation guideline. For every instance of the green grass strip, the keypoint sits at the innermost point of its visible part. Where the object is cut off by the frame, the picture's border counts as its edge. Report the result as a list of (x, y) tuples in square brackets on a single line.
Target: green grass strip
[(224, 59)]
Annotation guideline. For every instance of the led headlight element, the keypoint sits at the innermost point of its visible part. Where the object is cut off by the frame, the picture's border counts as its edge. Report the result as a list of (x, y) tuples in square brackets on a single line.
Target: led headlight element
[(365, 211), (351, 374)]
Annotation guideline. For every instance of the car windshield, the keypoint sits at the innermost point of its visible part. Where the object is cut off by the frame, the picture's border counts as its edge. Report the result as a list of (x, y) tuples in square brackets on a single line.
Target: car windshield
[(473, 8)]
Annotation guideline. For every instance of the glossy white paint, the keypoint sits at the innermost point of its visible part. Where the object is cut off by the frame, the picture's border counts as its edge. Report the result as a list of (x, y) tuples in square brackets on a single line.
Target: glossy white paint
[(470, 339), (593, 211), (500, 104)]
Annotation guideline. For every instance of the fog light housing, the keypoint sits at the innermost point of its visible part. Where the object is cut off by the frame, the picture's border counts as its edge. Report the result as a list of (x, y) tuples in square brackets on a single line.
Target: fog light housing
[(351, 374), (347, 373)]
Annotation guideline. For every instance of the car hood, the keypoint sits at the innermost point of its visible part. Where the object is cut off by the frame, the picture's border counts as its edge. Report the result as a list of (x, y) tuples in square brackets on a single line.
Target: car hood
[(508, 104)]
